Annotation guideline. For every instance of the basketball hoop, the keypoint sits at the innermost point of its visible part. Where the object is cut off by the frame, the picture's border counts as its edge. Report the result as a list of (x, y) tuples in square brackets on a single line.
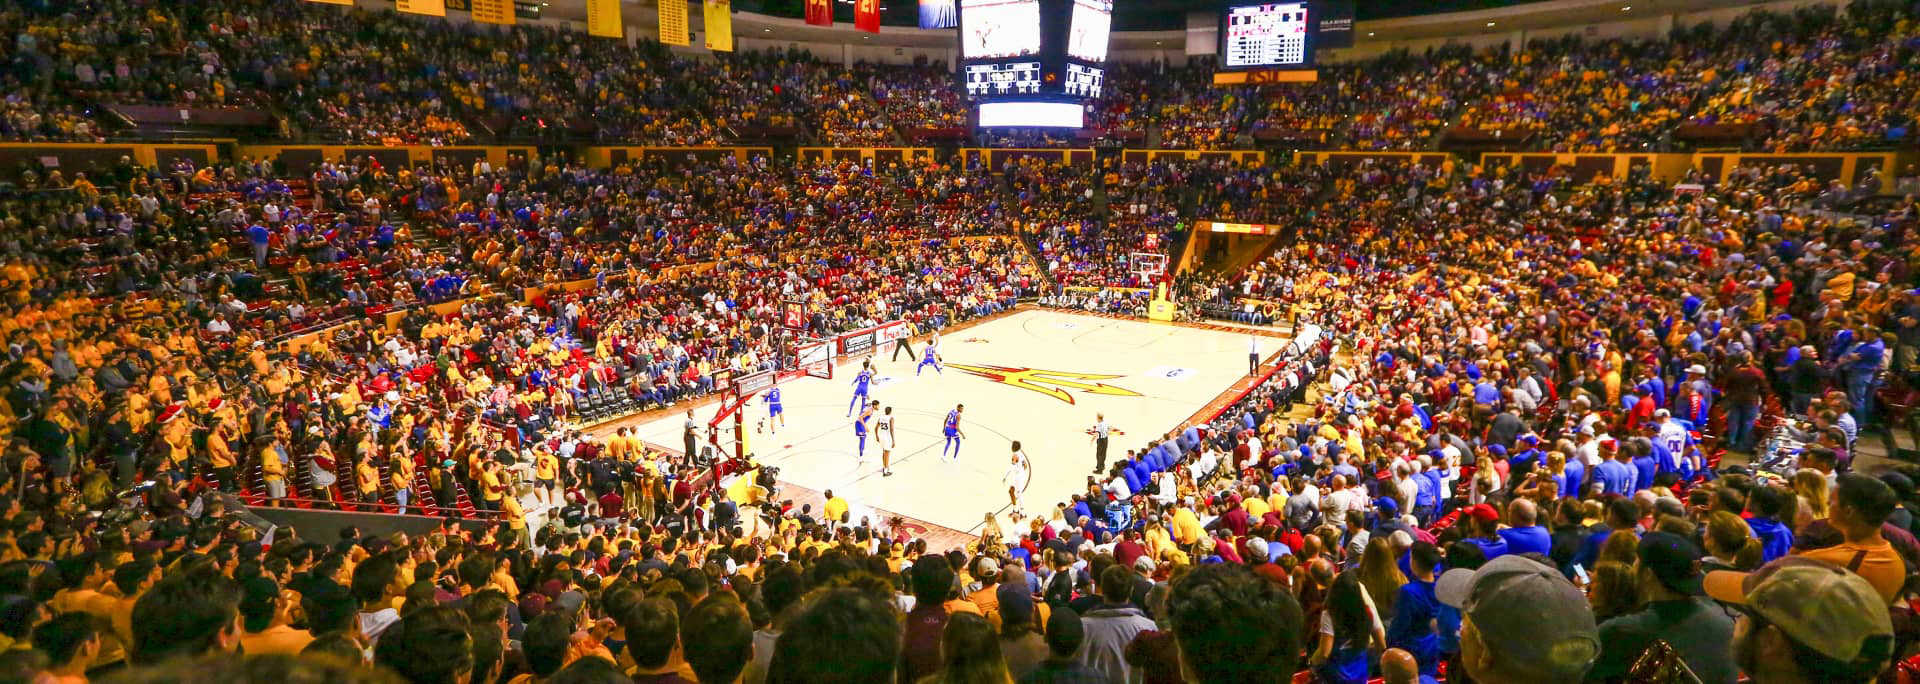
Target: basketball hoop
[(812, 358), (1148, 267)]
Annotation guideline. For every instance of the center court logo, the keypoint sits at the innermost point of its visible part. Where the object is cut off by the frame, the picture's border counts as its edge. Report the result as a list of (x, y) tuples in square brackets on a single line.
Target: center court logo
[(1050, 383)]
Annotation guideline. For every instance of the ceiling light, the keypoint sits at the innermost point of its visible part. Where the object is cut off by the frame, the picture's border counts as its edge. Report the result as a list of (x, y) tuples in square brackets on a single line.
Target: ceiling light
[(1628, 8), (1489, 24), (1369, 34)]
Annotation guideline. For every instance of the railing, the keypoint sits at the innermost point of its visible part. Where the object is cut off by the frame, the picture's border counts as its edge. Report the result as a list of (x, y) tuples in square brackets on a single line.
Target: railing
[(256, 500)]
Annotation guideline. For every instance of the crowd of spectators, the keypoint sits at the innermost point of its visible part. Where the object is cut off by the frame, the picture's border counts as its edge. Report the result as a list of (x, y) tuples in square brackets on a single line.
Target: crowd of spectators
[(1524, 375), (1535, 442), (1823, 81), (1813, 78)]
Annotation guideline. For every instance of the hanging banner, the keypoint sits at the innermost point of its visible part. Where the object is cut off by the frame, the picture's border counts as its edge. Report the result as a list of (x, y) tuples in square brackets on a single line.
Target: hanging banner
[(719, 15), (493, 12), (866, 15), (431, 8), (820, 12), (603, 19), (673, 23)]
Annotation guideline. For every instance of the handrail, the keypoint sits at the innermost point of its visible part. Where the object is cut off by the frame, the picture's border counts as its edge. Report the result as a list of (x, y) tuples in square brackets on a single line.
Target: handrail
[(476, 512)]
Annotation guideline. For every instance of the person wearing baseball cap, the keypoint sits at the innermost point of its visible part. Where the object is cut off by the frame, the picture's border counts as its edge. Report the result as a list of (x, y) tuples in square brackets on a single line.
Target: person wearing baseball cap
[(1803, 620), (1520, 621), (1483, 528), (1668, 570), (1387, 517)]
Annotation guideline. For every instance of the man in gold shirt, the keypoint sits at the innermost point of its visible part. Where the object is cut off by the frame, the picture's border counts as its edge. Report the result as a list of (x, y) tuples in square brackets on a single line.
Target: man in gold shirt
[(266, 612), (546, 475), (220, 455), (366, 478), (491, 481), (835, 508), (274, 472)]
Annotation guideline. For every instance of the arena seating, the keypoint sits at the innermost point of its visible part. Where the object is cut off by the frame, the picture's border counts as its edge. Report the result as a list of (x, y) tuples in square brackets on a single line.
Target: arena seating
[(1801, 80), (1600, 386)]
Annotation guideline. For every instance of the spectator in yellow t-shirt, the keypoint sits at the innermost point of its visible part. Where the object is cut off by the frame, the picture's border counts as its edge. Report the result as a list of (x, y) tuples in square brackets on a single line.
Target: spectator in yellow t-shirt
[(835, 509)]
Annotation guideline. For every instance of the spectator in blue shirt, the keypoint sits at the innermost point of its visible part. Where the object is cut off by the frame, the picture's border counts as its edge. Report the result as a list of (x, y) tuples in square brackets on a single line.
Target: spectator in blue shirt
[(1575, 473), (1483, 524), (1416, 610), (1426, 495), (1764, 505), (1615, 472), (1862, 364), (1524, 533), (1526, 456), (1645, 466), (259, 236), (1622, 516)]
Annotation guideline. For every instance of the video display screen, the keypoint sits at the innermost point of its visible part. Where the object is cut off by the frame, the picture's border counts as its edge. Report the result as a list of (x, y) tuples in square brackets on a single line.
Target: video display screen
[(1092, 25), (1273, 34), (1037, 114), (993, 29)]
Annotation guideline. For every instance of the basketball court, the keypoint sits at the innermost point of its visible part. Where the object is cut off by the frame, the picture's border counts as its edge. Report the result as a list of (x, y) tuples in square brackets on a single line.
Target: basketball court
[(1036, 376)]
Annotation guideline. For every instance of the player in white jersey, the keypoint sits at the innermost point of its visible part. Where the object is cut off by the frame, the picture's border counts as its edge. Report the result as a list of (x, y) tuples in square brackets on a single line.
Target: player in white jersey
[(1017, 477), (883, 435), (860, 430)]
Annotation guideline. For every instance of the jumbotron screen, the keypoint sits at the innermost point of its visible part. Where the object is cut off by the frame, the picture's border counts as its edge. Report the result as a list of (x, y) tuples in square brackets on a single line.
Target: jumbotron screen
[(1273, 34), (1091, 25), (993, 29)]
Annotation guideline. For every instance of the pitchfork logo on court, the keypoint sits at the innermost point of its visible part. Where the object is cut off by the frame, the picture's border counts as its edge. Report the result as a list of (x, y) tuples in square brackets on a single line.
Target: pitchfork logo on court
[(1050, 383)]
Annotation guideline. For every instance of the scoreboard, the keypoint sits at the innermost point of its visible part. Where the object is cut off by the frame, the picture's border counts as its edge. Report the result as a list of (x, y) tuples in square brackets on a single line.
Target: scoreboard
[(1282, 35), (1048, 53), (1267, 35), (1002, 78)]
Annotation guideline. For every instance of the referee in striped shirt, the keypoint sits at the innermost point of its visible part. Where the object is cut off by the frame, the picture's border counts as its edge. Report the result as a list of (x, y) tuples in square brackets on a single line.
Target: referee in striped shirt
[(1101, 431)]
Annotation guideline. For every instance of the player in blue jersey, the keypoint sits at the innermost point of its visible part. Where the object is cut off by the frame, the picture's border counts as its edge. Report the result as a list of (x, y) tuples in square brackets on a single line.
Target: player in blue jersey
[(776, 414), (860, 430), (931, 358), (952, 431), (860, 383)]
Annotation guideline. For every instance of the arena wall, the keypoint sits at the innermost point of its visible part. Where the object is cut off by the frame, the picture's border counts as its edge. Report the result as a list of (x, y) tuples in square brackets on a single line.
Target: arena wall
[(881, 156), (72, 157)]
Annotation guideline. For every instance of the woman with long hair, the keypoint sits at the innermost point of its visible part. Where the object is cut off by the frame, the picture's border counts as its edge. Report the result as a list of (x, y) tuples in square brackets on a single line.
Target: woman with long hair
[(1486, 482), (1381, 574), (970, 653), (1349, 626), (1810, 497), (1614, 590), (990, 533), (643, 505), (1729, 542), (1620, 548)]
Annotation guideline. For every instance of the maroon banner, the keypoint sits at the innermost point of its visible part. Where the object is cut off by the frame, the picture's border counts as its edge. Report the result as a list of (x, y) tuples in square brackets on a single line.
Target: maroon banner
[(866, 15), (820, 12)]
